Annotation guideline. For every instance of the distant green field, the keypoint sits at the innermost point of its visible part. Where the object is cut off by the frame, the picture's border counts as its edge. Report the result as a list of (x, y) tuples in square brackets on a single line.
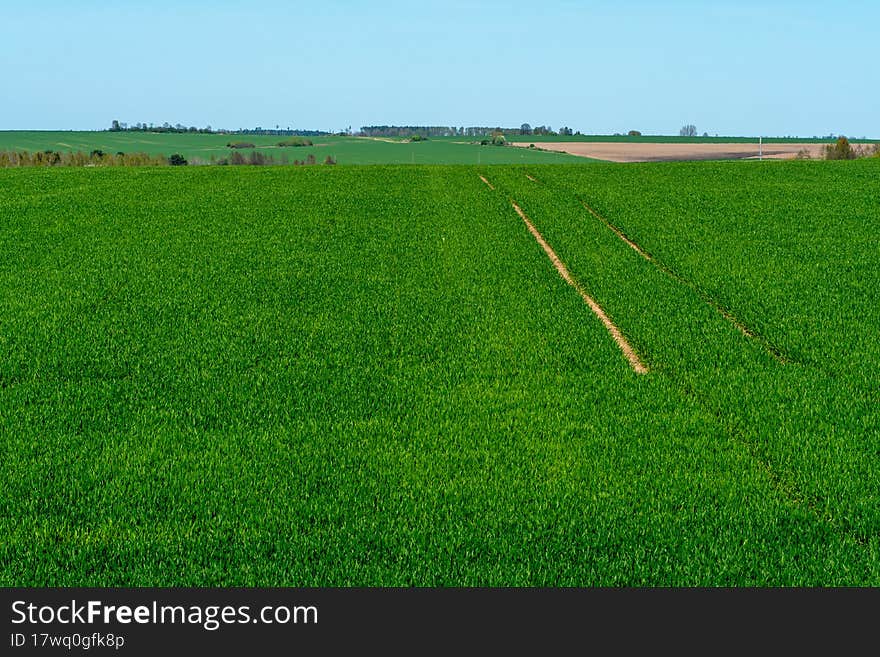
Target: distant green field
[(351, 376), (345, 150)]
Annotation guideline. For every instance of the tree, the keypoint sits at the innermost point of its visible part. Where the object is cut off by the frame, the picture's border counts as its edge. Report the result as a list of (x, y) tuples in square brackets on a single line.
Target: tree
[(689, 130), (634, 133), (114, 127), (525, 129), (177, 160), (840, 150)]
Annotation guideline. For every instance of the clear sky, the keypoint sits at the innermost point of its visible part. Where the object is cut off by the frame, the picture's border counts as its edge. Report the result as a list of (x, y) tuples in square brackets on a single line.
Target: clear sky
[(743, 67)]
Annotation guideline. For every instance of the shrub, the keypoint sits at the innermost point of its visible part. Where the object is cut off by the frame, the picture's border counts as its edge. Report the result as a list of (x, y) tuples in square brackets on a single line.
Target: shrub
[(840, 150), (260, 159), (177, 160), (49, 158), (329, 160), (634, 133), (295, 141), (418, 138), (240, 144)]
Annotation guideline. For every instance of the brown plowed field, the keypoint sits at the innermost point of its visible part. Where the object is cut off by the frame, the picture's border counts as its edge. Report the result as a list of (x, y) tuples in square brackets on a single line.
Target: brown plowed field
[(647, 152)]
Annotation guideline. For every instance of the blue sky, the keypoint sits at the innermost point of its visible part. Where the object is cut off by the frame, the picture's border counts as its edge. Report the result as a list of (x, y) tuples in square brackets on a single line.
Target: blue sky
[(731, 68)]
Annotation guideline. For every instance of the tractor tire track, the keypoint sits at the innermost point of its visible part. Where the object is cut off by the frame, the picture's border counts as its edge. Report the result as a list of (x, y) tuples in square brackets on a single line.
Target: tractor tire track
[(770, 348), (629, 353), (787, 490)]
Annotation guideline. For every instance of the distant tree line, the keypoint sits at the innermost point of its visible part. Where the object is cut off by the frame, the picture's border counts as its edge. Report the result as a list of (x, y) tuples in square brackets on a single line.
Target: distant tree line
[(117, 126), (452, 131), (409, 131), (276, 132), (526, 129)]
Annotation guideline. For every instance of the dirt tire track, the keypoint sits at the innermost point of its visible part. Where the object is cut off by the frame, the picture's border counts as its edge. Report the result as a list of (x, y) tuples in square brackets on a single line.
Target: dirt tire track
[(618, 232), (776, 353), (629, 353), (786, 489), (635, 362)]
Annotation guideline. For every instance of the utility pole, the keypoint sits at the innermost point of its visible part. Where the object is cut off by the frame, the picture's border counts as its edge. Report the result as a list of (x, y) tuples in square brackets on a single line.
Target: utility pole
[(760, 148)]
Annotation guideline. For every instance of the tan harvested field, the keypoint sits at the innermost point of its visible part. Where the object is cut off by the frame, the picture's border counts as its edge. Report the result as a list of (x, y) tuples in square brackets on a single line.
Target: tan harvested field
[(647, 152)]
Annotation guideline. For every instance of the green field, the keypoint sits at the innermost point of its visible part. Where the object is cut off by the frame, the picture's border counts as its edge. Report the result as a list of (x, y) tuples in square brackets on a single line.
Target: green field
[(352, 376), (345, 150)]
